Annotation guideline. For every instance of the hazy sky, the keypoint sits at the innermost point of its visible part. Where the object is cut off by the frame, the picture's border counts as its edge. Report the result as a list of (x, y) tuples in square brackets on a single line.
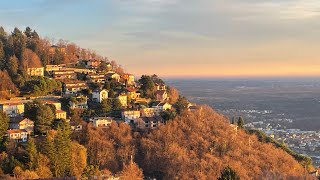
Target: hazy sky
[(183, 37)]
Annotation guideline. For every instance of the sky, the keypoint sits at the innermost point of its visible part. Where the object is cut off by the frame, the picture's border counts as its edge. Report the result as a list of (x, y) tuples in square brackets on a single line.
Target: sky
[(183, 38)]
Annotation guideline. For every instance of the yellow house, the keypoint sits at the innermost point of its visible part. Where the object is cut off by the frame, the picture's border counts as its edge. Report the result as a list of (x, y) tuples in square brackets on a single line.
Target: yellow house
[(61, 114), (12, 109), (55, 103), (132, 93), (148, 112), (101, 121), (36, 71), (123, 100), (20, 123)]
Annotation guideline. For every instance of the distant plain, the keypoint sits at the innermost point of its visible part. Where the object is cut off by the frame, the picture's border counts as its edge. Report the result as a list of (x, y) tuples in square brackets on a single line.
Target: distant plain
[(296, 99)]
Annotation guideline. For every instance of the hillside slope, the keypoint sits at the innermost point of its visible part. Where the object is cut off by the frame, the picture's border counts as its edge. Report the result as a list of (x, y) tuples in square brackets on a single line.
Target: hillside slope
[(199, 145)]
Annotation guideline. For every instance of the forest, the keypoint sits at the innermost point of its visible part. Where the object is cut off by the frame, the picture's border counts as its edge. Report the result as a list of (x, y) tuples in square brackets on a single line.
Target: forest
[(194, 145)]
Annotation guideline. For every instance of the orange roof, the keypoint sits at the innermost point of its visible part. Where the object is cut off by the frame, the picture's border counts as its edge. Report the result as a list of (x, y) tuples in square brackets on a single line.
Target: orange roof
[(60, 111), (11, 131), (12, 103), (49, 101)]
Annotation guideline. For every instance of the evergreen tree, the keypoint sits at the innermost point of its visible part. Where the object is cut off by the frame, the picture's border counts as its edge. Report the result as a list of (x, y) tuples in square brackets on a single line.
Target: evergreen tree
[(232, 120), (147, 86), (240, 123), (116, 105), (228, 174), (181, 104), (4, 124), (106, 106), (2, 56), (44, 119), (3, 34), (12, 66), (19, 42), (32, 154)]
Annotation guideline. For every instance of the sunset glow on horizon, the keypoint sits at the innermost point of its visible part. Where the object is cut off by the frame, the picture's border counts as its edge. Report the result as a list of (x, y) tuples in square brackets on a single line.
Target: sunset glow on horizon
[(183, 38)]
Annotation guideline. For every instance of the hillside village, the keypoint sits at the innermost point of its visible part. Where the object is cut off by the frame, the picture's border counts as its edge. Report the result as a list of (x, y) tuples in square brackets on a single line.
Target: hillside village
[(103, 94)]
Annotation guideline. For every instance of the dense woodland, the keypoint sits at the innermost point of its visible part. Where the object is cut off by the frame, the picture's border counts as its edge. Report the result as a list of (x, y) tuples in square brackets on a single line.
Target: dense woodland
[(190, 145), (194, 145), (22, 49)]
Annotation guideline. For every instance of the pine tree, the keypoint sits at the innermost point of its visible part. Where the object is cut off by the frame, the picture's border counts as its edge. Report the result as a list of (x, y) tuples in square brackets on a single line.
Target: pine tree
[(228, 174), (44, 118), (32, 154), (240, 123), (62, 145)]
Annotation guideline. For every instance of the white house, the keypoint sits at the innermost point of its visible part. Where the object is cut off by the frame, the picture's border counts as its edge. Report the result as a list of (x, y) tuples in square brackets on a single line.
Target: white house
[(101, 121), (148, 123), (12, 109), (161, 106), (130, 116), (99, 95), (18, 135), (74, 87), (80, 102)]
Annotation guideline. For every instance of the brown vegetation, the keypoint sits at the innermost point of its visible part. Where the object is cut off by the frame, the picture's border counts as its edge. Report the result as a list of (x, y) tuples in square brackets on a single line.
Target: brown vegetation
[(200, 145)]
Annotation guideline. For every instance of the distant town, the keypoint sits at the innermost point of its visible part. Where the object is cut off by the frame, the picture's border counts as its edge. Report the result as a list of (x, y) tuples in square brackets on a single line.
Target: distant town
[(303, 142)]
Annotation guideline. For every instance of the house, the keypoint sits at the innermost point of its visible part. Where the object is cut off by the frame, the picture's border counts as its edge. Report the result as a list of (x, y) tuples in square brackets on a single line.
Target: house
[(142, 100), (148, 112), (96, 78), (80, 102), (123, 100), (64, 74), (113, 75), (99, 95), (35, 71), (149, 123), (160, 87), (56, 104), (161, 95), (51, 68), (12, 109), (130, 116), (161, 106), (21, 123), (18, 135), (72, 88), (55, 48), (129, 78), (132, 93), (92, 63), (101, 121), (61, 114)]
